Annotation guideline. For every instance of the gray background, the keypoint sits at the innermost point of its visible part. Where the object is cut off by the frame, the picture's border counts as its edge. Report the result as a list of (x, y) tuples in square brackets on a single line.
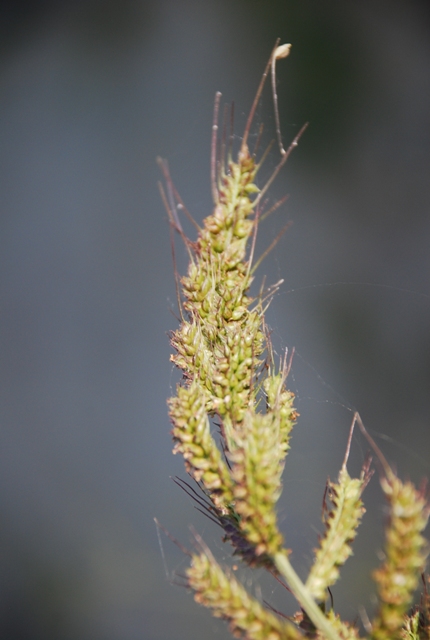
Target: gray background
[(90, 93)]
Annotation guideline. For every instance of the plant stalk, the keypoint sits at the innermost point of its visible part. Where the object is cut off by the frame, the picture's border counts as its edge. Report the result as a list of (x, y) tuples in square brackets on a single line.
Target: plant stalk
[(303, 596)]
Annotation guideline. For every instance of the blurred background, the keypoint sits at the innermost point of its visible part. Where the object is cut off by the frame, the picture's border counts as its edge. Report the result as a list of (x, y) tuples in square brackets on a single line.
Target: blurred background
[(91, 92)]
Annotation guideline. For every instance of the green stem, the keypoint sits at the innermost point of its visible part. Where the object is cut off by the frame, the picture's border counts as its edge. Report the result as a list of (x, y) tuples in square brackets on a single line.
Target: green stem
[(303, 596)]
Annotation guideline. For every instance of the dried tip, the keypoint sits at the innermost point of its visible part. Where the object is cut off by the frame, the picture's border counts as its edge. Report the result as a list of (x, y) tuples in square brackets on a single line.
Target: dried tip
[(282, 51)]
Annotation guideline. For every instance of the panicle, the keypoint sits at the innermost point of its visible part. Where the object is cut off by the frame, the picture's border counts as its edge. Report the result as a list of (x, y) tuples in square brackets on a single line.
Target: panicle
[(227, 598), (406, 551), (192, 437), (229, 384), (341, 523), (219, 347)]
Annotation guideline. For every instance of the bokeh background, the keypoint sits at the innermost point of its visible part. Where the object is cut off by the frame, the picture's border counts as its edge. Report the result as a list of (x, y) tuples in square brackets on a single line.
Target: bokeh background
[(91, 92)]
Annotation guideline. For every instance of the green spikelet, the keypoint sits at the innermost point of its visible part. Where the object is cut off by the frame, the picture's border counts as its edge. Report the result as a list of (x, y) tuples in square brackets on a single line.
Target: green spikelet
[(406, 552), (411, 628), (341, 523), (193, 440), (344, 630), (227, 599), (417, 625), (280, 403), (257, 470), (220, 344)]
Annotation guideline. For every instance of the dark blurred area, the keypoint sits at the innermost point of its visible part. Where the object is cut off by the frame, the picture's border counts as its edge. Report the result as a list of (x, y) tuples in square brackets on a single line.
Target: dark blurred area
[(91, 93)]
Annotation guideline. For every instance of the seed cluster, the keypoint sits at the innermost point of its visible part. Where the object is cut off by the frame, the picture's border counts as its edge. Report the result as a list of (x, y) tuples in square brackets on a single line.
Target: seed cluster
[(406, 552), (232, 418), (341, 523), (219, 348), (227, 599)]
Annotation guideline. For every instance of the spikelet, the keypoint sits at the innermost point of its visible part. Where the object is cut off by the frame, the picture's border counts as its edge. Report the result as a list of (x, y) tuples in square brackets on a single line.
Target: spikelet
[(257, 464), (218, 347), (411, 628), (406, 552), (257, 469), (228, 599), (417, 623), (419, 619), (341, 522), (191, 433), (220, 344), (344, 630)]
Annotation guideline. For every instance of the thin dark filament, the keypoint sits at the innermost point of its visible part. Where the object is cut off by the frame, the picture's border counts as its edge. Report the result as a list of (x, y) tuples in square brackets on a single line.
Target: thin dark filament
[(171, 207), (253, 375), (262, 289), (262, 206), (282, 161), (209, 517), (172, 246), (257, 142), (221, 159), (324, 506), (382, 459), (290, 362), (271, 246), (202, 490), (199, 500), (280, 581), (254, 240), (176, 275), (277, 204), (256, 99), (275, 106), (174, 224), (269, 298), (225, 452), (174, 194), (269, 344), (268, 294), (348, 445), (231, 136), (201, 544), (285, 370), (214, 148), (279, 613), (178, 318), (264, 156), (183, 208), (185, 585), (173, 539)]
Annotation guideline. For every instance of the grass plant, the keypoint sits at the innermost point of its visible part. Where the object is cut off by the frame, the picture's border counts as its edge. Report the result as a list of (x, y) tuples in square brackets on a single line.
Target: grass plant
[(233, 416)]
